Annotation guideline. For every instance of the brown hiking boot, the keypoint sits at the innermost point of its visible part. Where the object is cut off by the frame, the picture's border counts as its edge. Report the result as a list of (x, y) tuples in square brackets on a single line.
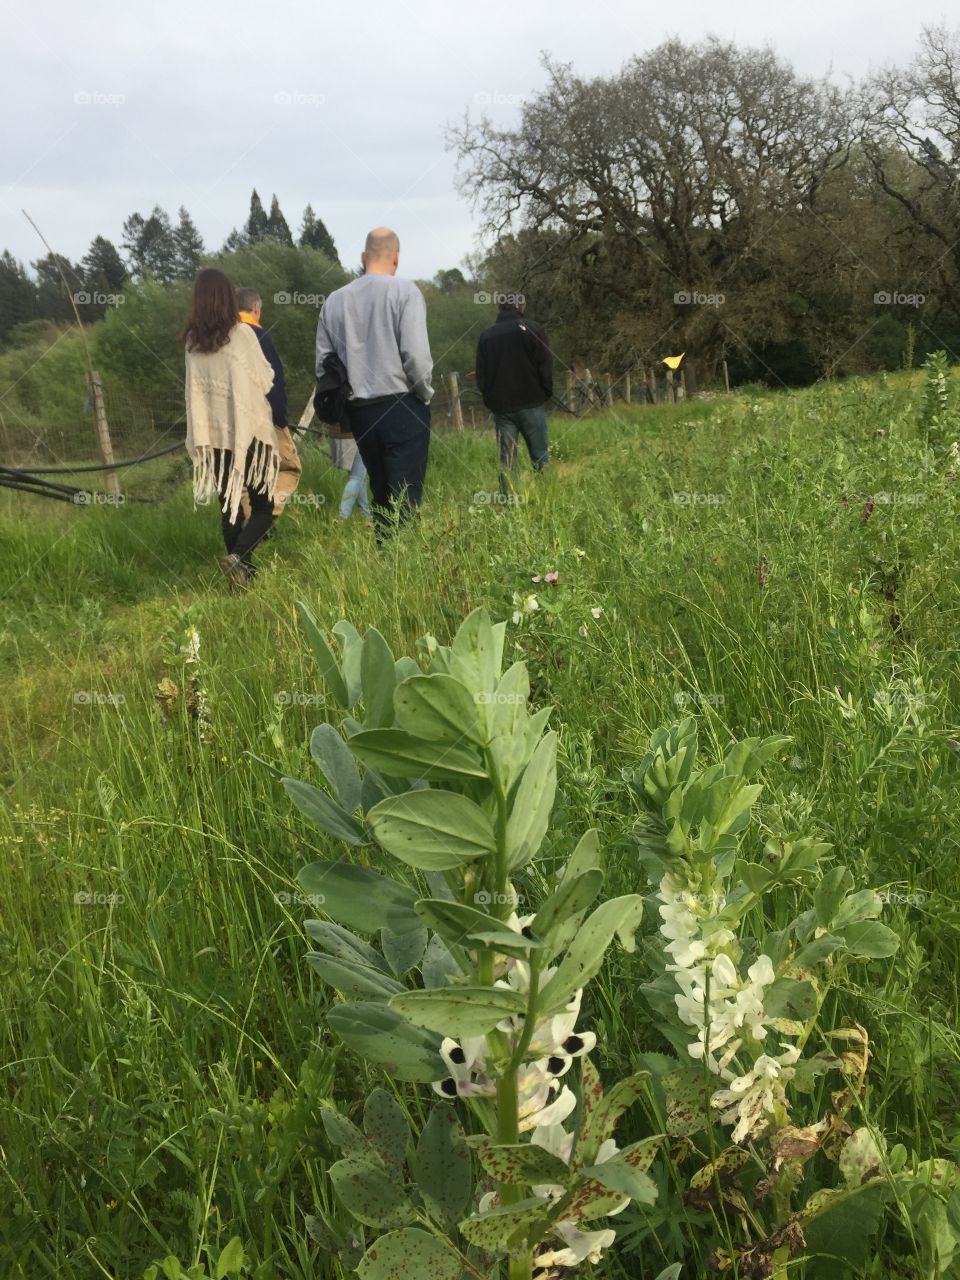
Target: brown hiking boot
[(236, 573)]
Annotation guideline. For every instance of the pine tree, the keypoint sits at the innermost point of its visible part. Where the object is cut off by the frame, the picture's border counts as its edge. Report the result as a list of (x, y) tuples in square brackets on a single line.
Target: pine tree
[(314, 235), (277, 224), (159, 247), (233, 242), (53, 297), (132, 243), (102, 267), (18, 295), (188, 246), (256, 227)]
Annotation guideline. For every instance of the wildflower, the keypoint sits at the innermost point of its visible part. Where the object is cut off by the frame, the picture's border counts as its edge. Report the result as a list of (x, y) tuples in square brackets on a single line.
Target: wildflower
[(582, 632), (582, 1246), (552, 578), (867, 510), (753, 1099), (535, 578), (531, 604), (597, 612), (582, 555)]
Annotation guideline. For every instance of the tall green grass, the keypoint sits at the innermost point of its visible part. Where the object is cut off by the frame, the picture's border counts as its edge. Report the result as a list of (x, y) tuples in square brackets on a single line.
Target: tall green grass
[(162, 1052)]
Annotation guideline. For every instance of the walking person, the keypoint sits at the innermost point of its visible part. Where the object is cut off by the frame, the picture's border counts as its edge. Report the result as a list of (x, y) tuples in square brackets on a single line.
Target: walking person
[(230, 434), (345, 455), (377, 326), (250, 307), (514, 370)]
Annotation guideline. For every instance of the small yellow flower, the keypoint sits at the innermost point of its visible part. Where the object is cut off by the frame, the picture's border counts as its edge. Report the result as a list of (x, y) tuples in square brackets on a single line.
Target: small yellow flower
[(223, 759)]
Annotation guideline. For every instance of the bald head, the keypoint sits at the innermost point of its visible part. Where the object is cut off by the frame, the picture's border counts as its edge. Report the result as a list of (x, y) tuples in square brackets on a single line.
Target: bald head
[(381, 253)]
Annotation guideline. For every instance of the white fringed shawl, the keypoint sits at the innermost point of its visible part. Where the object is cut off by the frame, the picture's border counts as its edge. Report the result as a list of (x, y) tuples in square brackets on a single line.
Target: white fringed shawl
[(227, 409)]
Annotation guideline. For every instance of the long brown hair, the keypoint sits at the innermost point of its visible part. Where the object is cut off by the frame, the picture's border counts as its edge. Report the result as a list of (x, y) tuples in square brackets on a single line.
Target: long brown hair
[(213, 312)]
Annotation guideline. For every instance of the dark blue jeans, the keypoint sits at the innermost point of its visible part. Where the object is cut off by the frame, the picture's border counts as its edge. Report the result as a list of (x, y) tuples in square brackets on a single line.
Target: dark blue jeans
[(532, 425), (393, 437)]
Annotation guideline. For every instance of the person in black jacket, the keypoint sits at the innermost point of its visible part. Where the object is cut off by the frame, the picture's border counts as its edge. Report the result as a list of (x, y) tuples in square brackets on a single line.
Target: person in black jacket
[(514, 371), (251, 308)]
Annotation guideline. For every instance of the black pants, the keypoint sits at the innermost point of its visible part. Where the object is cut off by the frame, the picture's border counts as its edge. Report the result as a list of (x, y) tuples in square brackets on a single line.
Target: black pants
[(393, 437), (241, 536)]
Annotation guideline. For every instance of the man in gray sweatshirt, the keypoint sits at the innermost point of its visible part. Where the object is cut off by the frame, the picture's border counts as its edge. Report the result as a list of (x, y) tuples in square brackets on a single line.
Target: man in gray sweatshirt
[(377, 325)]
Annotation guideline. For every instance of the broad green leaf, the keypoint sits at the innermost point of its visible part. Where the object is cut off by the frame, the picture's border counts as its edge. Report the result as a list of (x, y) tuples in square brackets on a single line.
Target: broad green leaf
[(585, 857), (403, 950), (386, 1039), (623, 1179), (688, 1094), (840, 1231), (410, 1254), (523, 1162), (817, 951), (560, 917), (438, 708), (231, 1260), (477, 651), (530, 810), (830, 892), (459, 1011), (869, 938), (326, 813), (338, 766), (861, 1158), (399, 754), (325, 658), (617, 916), (435, 830), (340, 942), (354, 979), (343, 1133), (352, 646), (506, 1227), (369, 1192), (360, 898), (386, 1129), (866, 904), (439, 966), (442, 1167), (600, 1119), (405, 667), (464, 926), (378, 677), (788, 998)]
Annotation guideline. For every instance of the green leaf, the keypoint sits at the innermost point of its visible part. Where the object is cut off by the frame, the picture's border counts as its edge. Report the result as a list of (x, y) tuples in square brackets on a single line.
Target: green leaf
[(378, 677), (405, 667), (818, 950), (688, 1101), (507, 1227), (560, 917), (439, 967), (326, 813), (861, 1158), (382, 1036), (386, 1129), (523, 1162), (343, 944), (326, 661), (436, 830), (354, 979), (409, 1254), (585, 857), (403, 950), (830, 892), (369, 1192), (399, 754), (462, 925), (337, 765), (840, 1231), (788, 998), (360, 898), (343, 1133), (231, 1259), (459, 1011), (863, 905), (622, 1178), (477, 651), (600, 1119), (619, 916), (439, 708), (352, 646), (530, 811), (870, 939), (442, 1167)]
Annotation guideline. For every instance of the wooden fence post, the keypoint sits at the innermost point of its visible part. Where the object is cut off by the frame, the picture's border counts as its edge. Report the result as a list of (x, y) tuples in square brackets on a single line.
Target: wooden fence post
[(671, 387), (608, 389), (652, 384), (682, 389), (103, 431), (626, 387), (726, 377), (571, 391), (456, 409)]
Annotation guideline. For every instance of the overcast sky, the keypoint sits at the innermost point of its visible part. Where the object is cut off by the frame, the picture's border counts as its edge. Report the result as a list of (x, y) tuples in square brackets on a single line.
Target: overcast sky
[(113, 107)]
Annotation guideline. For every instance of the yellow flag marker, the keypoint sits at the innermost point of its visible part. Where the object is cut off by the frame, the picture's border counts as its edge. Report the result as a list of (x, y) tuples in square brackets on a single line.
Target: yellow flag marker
[(673, 362)]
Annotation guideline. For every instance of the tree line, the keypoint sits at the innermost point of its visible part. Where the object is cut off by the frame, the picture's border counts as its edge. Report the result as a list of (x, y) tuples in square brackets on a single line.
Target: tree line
[(151, 247), (708, 198)]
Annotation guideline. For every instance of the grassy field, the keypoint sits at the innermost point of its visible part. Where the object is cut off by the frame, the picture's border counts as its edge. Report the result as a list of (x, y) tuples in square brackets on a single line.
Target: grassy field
[(161, 1047)]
